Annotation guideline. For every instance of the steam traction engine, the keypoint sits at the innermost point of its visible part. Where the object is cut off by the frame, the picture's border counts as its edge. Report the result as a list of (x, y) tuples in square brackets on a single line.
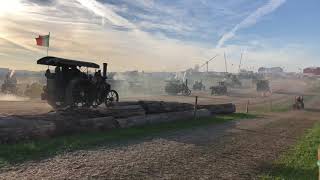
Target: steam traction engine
[(70, 86), (263, 87)]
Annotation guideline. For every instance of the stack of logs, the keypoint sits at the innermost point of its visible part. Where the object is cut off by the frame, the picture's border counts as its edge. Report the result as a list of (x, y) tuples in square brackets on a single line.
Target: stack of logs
[(121, 115)]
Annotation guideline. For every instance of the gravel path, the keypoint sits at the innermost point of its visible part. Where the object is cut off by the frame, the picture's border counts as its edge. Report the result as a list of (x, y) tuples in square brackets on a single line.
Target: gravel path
[(234, 150)]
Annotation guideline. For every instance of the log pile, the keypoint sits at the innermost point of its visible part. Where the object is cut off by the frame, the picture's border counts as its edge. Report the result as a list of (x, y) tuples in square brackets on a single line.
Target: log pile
[(122, 111), (219, 108), (156, 107), (13, 129), (161, 118), (121, 115), (85, 125)]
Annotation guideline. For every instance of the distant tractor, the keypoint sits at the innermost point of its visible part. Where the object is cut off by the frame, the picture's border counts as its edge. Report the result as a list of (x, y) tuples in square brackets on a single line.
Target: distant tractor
[(263, 87), (220, 89), (9, 85), (298, 104), (68, 86), (33, 90), (174, 87), (233, 81), (198, 86)]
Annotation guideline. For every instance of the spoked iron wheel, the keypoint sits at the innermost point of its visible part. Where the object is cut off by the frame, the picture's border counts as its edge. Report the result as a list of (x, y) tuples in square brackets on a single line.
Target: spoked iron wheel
[(187, 92), (112, 97), (81, 96)]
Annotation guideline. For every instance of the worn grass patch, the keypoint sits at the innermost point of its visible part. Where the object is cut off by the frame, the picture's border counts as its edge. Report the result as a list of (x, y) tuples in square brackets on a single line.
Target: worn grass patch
[(37, 149), (300, 162)]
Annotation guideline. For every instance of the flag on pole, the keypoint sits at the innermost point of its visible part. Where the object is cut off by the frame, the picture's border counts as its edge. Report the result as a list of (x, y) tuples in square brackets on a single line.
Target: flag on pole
[(43, 40)]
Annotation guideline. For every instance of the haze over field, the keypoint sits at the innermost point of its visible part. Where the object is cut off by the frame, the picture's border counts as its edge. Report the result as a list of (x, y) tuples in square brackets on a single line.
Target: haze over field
[(162, 35)]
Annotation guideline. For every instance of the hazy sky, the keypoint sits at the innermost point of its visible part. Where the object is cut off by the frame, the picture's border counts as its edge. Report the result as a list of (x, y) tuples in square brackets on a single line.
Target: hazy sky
[(162, 35)]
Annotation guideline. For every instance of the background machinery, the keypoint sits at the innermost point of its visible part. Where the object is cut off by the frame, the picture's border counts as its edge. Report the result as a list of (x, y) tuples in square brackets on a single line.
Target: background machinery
[(220, 89), (9, 85), (174, 87)]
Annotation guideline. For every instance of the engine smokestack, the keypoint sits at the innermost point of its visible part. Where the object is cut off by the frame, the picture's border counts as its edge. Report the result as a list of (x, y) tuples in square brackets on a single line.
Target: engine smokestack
[(105, 68), (12, 73)]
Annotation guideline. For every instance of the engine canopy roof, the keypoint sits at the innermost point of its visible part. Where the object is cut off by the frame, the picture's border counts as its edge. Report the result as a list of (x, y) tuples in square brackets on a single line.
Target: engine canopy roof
[(56, 61)]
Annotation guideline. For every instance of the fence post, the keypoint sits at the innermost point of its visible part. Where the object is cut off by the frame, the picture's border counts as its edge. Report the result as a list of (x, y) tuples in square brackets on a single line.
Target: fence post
[(247, 106), (318, 162), (195, 107), (271, 104)]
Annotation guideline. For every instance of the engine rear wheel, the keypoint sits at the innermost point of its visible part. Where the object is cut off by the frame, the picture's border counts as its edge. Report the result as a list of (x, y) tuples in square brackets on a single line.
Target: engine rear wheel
[(80, 94), (187, 92), (112, 97)]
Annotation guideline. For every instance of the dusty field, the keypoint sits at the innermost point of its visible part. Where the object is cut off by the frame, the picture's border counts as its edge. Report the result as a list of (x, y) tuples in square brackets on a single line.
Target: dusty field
[(234, 150), (282, 90)]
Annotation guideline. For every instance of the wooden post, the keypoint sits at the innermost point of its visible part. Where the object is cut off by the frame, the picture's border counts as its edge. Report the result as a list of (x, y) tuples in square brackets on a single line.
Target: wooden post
[(270, 104), (318, 162), (48, 45), (195, 107), (247, 106)]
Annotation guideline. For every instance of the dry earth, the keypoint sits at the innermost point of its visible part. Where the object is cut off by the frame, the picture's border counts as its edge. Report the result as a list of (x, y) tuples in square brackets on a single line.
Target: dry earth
[(235, 150)]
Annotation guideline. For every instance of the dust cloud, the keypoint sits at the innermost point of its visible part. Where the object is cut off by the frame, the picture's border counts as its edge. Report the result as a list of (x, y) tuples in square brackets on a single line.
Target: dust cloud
[(11, 97)]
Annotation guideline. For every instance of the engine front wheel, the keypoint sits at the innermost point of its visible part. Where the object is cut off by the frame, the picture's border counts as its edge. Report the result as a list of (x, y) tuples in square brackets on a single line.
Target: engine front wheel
[(112, 97), (187, 92)]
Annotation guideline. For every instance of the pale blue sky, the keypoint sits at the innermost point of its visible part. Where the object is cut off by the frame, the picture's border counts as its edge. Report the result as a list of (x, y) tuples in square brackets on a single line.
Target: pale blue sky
[(163, 35)]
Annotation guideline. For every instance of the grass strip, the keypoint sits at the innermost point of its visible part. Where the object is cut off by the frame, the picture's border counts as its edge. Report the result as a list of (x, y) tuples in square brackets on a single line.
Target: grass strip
[(300, 162)]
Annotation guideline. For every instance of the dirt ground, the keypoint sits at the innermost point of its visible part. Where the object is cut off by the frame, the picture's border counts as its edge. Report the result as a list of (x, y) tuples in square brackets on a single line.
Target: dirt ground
[(234, 150), (282, 90)]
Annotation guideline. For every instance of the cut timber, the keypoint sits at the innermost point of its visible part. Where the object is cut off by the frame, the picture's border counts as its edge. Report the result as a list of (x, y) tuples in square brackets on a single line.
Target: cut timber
[(219, 108), (160, 118), (121, 115), (122, 111), (156, 107), (84, 125), (13, 129), (126, 103), (102, 123)]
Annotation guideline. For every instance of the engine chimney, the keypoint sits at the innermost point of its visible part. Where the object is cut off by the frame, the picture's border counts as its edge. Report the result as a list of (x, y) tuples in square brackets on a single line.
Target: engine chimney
[(104, 73)]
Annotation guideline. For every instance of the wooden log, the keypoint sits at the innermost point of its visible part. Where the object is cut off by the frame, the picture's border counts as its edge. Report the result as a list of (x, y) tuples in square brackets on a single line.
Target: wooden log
[(220, 108), (126, 103), (155, 107), (133, 121), (13, 129), (101, 124), (128, 107), (123, 111), (84, 125), (161, 118), (80, 113)]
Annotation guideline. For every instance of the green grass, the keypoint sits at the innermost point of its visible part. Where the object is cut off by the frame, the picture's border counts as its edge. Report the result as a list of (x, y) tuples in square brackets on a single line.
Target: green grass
[(300, 161), (37, 149)]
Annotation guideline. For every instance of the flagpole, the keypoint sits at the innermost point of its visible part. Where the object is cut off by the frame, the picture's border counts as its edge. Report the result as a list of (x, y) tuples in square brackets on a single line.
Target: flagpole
[(48, 44)]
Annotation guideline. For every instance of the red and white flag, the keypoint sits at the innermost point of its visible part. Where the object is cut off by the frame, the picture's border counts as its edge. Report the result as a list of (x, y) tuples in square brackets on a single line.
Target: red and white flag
[(43, 40)]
